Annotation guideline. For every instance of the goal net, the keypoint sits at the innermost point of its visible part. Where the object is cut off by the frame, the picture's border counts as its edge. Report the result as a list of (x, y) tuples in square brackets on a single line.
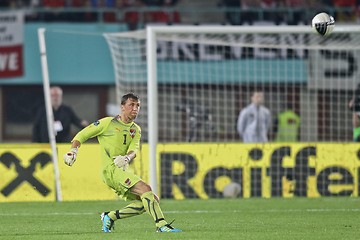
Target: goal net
[(203, 76)]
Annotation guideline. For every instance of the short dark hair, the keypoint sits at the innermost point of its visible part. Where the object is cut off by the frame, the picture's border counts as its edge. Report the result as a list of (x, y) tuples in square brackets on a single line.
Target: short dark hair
[(130, 95)]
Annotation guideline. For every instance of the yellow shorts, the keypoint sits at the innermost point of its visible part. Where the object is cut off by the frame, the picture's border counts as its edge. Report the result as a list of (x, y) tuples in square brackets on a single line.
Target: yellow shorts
[(121, 181)]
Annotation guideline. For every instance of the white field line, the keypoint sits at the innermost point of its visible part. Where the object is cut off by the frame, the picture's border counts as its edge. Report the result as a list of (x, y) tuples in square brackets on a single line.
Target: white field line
[(192, 212)]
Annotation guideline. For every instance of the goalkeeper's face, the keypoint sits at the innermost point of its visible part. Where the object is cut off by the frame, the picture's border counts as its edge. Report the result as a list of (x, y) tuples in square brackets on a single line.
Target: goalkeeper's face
[(130, 109)]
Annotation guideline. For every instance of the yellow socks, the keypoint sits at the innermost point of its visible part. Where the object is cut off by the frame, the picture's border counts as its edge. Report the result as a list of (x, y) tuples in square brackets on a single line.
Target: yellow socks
[(133, 209), (153, 208), (148, 203)]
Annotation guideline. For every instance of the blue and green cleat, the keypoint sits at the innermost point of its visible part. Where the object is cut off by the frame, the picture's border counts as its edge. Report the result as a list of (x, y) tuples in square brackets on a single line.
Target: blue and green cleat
[(107, 222), (168, 228)]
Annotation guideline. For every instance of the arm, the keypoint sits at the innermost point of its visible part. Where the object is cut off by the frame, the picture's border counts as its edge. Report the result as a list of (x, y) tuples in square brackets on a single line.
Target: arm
[(75, 144), (241, 123), (90, 131), (93, 130), (131, 155)]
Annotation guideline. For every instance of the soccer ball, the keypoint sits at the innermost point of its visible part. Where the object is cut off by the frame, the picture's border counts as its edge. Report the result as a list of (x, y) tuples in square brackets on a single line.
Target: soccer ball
[(232, 190), (323, 23)]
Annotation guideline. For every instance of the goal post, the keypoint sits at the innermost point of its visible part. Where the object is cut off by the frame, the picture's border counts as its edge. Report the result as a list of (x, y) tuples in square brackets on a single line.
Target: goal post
[(194, 80), (49, 112), (152, 107)]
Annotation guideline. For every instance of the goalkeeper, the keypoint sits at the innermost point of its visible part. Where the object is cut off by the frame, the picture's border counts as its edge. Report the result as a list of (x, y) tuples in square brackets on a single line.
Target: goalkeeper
[(119, 138)]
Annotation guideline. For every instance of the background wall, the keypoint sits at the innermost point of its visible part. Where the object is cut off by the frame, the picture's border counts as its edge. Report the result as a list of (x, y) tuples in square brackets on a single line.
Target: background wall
[(73, 59)]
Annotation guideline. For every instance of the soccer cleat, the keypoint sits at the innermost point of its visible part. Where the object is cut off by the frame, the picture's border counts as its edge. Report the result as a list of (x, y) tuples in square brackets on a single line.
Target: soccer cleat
[(168, 228), (107, 222)]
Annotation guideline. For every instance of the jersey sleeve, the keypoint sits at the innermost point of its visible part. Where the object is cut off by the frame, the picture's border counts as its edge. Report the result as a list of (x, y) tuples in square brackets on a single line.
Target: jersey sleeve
[(93, 130)]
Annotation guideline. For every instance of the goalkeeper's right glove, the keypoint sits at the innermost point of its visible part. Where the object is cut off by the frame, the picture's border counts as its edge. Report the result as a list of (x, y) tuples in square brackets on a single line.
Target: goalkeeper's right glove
[(121, 161), (70, 157)]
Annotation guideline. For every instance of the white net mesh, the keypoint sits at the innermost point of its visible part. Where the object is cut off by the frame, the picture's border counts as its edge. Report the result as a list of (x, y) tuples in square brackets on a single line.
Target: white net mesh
[(204, 79)]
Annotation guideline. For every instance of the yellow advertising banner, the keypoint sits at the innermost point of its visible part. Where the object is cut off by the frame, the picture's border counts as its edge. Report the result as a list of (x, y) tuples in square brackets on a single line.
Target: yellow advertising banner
[(188, 170), (83, 181), (262, 170), (27, 174)]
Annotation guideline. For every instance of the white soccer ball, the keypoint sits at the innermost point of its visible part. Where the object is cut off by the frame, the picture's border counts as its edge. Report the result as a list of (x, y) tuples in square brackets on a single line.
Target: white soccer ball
[(232, 190), (323, 23)]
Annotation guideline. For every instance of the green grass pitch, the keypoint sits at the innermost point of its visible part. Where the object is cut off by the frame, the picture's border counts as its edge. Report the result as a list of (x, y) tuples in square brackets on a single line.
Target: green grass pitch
[(275, 218)]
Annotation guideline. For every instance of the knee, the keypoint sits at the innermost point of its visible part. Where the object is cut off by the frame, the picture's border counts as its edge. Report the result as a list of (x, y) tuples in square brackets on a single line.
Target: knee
[(142, 187), (149, 189), (156, 197), (146, 188)]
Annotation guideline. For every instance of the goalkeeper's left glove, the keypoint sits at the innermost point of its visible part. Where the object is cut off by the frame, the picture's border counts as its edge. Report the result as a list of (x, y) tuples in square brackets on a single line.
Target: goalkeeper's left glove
[(70, 157), (121, 161)]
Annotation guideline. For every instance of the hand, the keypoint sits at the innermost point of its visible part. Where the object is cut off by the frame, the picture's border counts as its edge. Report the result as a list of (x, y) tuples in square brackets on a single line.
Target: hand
[(70, 157), (121, 161)]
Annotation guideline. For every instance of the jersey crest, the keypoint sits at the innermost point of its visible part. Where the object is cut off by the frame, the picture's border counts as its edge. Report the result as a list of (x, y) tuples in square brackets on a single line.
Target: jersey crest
[(132, 132)]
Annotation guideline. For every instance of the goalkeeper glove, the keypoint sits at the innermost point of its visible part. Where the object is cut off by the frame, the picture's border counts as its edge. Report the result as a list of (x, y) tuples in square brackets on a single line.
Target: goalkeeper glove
[(70, 157), (121, 161)]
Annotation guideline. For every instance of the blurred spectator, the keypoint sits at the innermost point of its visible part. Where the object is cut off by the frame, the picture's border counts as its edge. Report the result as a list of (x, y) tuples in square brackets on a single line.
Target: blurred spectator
[(233, 15), (312, 8), (236, 17), (327, 3), (132, 18), (297, 13), (53, 14), (294, 3), (103, 3), (269, 13), (106, 16), (165, 15), (76, 16), (4, 4), (287, 125), (153, 3), (13, 4), (90, 15), (64, 116), (31, 15), (249, 15), (348, 13), (54, 3), (254, 120), (28, 5), (268, 3)]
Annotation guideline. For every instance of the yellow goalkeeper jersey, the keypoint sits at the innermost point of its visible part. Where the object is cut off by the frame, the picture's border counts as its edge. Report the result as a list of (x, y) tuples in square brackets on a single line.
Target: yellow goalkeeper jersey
[(115, 138)]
